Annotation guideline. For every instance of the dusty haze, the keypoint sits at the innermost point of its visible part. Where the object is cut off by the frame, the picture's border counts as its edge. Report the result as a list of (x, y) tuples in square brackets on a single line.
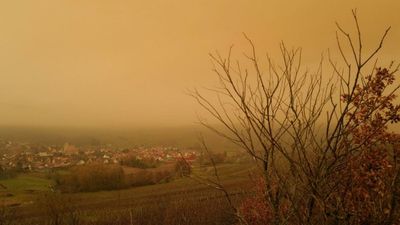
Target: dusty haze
[(129, 62)]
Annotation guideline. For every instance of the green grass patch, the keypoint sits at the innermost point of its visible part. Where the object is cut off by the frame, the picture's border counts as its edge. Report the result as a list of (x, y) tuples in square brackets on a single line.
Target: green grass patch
[(26, 182)]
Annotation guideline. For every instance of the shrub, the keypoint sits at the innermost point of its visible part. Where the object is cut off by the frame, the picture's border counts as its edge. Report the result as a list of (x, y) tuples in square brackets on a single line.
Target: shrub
[(93, 177), (182, 168), (133, 161), (145, 177)]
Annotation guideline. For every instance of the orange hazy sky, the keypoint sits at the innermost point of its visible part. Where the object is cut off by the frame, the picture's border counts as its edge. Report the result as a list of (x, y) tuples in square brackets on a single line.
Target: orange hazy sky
[(129, 62)]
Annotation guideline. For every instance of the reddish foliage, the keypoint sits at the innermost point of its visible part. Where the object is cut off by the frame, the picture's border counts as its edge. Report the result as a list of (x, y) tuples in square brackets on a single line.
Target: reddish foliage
[(365, 182), (372, 109), (255, 209)]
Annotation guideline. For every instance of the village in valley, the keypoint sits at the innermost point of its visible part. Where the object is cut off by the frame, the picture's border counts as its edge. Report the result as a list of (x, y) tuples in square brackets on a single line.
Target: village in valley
[(32, 157)]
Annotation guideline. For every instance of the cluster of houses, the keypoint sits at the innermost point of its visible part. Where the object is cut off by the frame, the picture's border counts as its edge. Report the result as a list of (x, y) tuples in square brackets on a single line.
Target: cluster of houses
[(28, 157)]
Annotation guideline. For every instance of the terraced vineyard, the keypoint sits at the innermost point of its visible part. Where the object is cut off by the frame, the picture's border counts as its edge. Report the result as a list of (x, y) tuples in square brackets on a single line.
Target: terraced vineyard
[(160, 202)]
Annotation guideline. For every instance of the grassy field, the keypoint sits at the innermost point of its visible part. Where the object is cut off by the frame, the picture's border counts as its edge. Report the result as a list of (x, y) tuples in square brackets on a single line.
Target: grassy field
[(26, 182), (23, 188), (182, 193)]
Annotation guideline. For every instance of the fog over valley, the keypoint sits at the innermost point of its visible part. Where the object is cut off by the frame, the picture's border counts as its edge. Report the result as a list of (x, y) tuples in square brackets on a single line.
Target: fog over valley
[(130, 63)]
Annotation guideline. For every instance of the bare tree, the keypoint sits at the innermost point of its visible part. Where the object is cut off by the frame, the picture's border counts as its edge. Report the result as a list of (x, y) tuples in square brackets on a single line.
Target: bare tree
[(301, 126)]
